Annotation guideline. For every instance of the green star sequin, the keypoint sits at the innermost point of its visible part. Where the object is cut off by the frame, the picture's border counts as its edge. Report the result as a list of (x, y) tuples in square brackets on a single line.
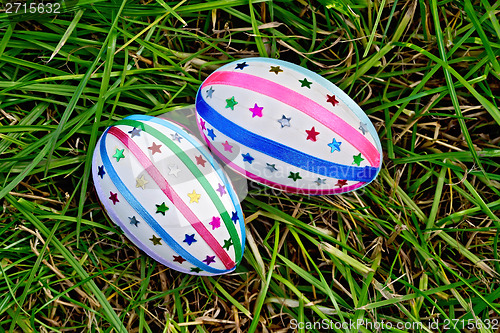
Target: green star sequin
[(231, 103), (161, 208), (227, 244), (357, 159), (195, 269), (294, 176), (119, 154), (305, 83)]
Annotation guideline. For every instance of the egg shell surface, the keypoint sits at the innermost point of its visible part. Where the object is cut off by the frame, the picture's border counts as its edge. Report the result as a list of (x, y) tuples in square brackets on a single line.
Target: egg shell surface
[(295, 130), (164, 189)]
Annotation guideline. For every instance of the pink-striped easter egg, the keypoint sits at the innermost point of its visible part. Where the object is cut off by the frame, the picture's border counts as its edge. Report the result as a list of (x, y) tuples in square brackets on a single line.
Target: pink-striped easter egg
[(163, 188), (286, 127)]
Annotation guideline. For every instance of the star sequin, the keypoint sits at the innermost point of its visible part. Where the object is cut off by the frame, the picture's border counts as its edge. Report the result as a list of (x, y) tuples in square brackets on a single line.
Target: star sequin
[(141, 182), (235, 217), (305, 83), (174, 170), (284, 121), (231, 103), (210, 92), (202, 124), (189, 239), (271, 167), (362, 127), (341, 182), (215, 222), (311, 134), (320, 181), (195, 269), (221, 189), (334, 145), (113, 197), (179, 259), (256, 110), (101, 171), (211, 134), (119, 154), (294, 176), (227, 147), (357, 159), (155, 148), (194, 197), (331, 99), (227, 244), (247, 158), (209, 259), (176, 137), (241, 65), (200, 160), (135, 132), (133, 220), (155, 240), (276, 69), (161, 208)]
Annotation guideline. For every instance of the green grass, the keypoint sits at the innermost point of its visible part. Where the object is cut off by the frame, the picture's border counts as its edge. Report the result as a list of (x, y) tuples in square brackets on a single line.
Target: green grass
[(418, 245)]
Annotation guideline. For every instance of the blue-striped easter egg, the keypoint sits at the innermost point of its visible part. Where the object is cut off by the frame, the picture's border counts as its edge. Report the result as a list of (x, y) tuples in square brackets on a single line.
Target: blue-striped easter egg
[(286, 127), (162, 187)]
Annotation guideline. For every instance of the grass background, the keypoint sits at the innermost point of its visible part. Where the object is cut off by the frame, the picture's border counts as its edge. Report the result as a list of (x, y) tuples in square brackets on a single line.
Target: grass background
[(420, 244)]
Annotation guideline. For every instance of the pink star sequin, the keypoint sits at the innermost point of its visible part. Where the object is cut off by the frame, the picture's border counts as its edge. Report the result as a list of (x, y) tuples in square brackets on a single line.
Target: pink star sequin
[(221, 189), (227, 147), (256, 110), (215, 222)]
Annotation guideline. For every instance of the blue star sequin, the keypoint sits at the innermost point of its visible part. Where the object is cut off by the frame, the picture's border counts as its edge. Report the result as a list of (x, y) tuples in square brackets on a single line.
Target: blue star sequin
[(241, 66), (271, 167), (211, 133), (176, 137), (135, 132), (247, 158), (101, 172), (362, 127), (235, 217), (320, 181), (189, 239), (133, 221), (334, 145), (284, 121), (210, 92)]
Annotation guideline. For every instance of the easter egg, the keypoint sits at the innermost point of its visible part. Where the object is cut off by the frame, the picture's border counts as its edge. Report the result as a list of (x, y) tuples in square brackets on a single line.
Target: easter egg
[(163, 188), (286, 127)]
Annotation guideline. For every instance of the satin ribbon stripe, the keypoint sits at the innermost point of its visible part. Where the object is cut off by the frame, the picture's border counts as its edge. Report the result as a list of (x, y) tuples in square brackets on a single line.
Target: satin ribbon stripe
[(269, 183), (131, 121), (301, 103), (197, 173), (281, 152), (202, 150), (173, 196), (129, 197)]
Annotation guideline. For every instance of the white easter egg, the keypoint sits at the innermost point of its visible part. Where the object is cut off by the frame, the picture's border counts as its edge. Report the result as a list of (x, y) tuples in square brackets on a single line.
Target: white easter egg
[(162, 187), (286, 127)]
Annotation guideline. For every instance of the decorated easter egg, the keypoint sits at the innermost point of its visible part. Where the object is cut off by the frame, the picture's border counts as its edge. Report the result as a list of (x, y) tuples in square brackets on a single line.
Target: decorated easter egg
[(286, 127), (163, 188)]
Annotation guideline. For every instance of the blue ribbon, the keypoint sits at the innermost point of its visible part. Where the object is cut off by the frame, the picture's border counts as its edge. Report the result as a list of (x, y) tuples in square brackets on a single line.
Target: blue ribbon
[(281, 152)]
